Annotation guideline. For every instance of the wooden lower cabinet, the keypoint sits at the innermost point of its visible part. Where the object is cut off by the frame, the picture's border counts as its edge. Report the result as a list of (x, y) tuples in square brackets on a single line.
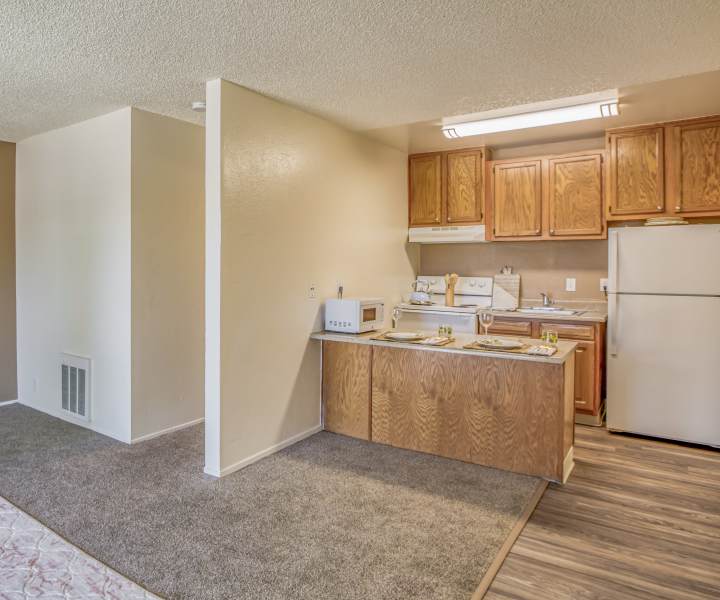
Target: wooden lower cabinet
[(515, 415), (589, 364), (346, 388), (511, 327), (589, 357), (506, 413), (585, 376)]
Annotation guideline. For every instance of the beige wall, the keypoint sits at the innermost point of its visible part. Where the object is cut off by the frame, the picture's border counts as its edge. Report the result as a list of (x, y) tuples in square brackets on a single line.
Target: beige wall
[(8, 349), (167, 272), (72, 216), (300, 201), (543, 266)]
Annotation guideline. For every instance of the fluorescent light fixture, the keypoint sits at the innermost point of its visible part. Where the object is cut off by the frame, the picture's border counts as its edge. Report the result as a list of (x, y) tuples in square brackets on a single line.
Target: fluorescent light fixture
[(568, 110)]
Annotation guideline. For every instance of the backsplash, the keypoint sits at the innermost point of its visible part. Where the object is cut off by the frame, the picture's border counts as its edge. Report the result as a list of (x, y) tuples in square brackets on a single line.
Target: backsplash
[(543, 266)]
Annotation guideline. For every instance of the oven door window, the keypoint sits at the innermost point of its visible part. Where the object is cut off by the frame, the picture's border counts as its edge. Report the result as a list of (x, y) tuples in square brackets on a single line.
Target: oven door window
[(369, 314)]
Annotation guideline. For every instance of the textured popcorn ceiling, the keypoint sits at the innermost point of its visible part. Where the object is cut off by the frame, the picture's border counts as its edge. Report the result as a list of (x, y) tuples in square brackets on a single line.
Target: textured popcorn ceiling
[(365, 63)]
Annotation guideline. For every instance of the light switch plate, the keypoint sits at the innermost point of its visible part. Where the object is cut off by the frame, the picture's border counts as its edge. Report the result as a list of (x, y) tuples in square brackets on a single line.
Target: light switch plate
[(603, 284), (570, 284)]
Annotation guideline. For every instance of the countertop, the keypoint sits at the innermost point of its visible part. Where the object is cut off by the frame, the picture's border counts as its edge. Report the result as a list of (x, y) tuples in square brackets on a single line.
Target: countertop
[(565, 348), (587, 316)]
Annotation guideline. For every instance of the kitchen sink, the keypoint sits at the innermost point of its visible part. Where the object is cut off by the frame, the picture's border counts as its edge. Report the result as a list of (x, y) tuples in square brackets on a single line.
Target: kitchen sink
[(548, 310)]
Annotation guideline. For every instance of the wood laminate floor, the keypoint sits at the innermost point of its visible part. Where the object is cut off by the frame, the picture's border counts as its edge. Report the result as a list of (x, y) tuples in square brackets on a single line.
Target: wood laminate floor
[(638, 518)]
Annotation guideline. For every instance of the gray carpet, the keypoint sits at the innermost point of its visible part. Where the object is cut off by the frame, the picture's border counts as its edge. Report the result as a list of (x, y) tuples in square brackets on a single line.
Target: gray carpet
[(330, 517)]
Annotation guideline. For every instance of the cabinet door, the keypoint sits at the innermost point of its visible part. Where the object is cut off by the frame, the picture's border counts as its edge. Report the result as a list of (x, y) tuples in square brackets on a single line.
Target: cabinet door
[(585, 375), (636, 172), (465, 186), (575, 196), (517, 199), (510, 327), (346, 370), (425, 189), (694, 167)]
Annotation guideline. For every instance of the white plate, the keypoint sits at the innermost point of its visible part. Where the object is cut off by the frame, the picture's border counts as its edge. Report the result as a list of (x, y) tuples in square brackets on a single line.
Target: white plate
[(404, 335), (499, 343)]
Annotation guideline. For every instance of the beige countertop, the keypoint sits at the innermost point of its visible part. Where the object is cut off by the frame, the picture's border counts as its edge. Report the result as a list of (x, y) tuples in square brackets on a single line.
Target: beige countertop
[(565, 348), (587, 316)]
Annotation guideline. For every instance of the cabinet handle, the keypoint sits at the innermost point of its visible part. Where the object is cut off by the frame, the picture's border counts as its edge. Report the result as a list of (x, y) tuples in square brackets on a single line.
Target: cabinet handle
[(659, 207), (678, 207), (537, 231), (552, 232), (579, 349)]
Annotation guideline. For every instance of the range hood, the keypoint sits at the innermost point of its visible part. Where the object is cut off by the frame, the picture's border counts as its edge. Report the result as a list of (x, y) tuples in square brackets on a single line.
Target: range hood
[(451, 234)]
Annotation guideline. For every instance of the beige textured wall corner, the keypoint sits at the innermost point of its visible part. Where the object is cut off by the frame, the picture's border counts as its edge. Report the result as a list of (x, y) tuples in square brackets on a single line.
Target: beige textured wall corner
[(72, 246), (303, 202), (8, 348), (167, 272), (543, 266)]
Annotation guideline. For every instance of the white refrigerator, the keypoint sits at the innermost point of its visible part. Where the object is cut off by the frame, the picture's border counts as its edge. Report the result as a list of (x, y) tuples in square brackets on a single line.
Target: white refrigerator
[(663, 339)]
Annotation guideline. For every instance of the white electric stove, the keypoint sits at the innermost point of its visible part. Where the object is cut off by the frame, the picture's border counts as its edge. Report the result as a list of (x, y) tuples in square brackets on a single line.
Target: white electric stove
[(472, 294)]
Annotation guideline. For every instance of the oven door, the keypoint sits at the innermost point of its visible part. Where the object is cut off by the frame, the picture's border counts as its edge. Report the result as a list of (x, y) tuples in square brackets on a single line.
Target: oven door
[(429, 320)]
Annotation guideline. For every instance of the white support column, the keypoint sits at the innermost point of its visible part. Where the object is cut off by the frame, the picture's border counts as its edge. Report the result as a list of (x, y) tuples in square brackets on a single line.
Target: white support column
[(213, 221)]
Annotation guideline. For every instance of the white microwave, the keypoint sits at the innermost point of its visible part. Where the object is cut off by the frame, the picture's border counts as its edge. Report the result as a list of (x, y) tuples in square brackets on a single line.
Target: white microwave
[(354, 315)]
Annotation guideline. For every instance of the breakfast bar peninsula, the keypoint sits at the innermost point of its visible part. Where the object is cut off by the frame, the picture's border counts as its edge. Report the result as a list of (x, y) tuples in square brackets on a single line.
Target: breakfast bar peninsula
[(506, 410)]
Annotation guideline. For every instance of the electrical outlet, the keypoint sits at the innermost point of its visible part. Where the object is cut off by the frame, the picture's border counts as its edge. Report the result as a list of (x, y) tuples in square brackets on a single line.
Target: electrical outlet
[(312, 291), (570, 284), (603, 285)]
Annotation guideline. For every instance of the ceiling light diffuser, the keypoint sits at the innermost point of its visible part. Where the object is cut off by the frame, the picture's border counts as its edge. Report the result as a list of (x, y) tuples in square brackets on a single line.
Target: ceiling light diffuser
[(605, 107)]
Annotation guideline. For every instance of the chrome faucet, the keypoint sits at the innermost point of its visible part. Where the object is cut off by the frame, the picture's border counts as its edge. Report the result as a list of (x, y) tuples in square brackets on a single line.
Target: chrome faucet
[(546, 299)]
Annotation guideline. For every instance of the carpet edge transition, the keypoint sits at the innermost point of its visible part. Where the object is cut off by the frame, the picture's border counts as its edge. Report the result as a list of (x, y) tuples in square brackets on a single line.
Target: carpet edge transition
[(509, 542)]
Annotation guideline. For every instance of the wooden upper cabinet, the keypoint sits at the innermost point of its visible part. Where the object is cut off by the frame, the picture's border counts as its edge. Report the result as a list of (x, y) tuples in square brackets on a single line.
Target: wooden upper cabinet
[(575, 196), (636, 172), (517, 199), (426, 197), (465, 186), (694, 167)]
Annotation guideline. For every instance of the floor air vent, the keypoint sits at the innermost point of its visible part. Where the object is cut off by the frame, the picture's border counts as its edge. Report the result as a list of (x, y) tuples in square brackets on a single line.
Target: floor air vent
[(75, 385)]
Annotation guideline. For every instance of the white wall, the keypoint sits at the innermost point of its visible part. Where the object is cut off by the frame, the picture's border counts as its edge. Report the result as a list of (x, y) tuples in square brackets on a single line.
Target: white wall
[(292, 200), (73, 264), (167, 273)]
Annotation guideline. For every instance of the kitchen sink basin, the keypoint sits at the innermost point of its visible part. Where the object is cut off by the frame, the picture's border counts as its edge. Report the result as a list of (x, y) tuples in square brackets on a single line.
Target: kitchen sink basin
[(548, 310)]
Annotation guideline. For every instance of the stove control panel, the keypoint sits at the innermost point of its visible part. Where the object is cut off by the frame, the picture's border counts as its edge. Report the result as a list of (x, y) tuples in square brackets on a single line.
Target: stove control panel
[(465, 286)]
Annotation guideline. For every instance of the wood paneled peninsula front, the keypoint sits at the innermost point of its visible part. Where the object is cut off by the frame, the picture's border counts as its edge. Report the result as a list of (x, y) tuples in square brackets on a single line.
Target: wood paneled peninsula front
[(498, 409)]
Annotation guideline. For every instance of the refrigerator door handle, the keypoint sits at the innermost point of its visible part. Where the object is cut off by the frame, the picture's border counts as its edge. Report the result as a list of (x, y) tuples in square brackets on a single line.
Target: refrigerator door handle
[(613, 260), (613, 292), (612, 322)]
